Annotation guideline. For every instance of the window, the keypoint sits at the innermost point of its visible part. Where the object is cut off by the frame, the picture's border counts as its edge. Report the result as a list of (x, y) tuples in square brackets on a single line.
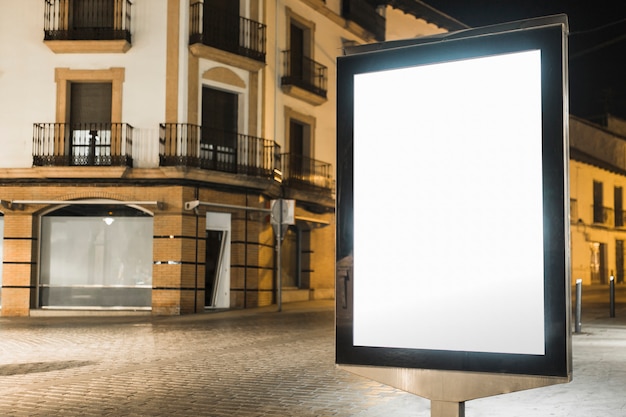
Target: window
[(598, 211), (619, 261), (90, 123), (300, 70), (299, 144), (299, 50), (221, 24), (299, 162), (618, 206), (89, 112), (91, 17), (218, 147), (96, 256), (66, 77)]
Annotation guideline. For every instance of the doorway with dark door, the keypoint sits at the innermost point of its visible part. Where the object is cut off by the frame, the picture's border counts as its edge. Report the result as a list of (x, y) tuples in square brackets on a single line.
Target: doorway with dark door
[(215, 240), (619, 261), (221, 24), (90, 123), (91, 19), (217, 260), (604, 277), (299, 150), (218, 145), (291, 259)]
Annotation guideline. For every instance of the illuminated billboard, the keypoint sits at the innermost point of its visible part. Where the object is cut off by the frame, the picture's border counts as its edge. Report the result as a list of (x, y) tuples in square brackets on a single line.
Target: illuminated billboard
[(452, 202)]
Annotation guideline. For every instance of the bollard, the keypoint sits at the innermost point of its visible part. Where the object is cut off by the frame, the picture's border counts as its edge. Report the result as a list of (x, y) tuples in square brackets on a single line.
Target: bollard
[(612, 296), (579, 296)]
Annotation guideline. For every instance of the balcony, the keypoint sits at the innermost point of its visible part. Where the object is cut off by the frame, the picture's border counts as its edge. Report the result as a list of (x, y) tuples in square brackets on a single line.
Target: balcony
[(234, 34), (88, 144), (363, 13), (602, 215), (191, 145), (620, 218), (306, 173), (303, 76), (97, 26)]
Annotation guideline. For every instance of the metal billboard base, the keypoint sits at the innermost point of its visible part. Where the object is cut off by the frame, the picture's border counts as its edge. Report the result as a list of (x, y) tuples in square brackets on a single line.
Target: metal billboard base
[(449, 390)]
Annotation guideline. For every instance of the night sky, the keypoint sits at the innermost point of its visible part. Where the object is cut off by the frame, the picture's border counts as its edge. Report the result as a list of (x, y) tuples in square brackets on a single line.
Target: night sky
[(597, 44)]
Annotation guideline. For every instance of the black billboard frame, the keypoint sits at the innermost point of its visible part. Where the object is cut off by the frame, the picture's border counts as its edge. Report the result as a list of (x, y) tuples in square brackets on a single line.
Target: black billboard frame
[(547, 34)]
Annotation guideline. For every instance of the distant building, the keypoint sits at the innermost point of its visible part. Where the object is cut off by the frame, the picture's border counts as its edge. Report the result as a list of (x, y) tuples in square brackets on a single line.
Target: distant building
[(115, 113), (598, 215)]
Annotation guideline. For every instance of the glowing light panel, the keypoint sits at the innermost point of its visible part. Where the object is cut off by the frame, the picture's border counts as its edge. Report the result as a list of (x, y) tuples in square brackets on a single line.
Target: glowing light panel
[(451, 256)]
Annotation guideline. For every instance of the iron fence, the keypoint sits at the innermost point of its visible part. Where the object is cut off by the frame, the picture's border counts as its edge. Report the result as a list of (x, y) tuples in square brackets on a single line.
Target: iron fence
[(304, 171), (87, 20), (84, 144), (305, 73), (182, 144), (235, 34)]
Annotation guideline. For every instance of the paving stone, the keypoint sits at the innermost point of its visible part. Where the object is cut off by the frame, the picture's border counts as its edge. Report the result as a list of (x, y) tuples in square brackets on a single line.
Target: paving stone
[(253, 363)]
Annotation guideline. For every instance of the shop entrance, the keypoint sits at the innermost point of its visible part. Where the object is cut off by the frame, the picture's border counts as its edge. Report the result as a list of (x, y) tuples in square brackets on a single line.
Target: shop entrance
[(217, 261), (96, 256)]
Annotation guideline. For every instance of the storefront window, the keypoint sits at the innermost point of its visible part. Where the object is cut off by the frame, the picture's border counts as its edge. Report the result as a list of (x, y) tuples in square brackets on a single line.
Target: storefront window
[(96, 257)]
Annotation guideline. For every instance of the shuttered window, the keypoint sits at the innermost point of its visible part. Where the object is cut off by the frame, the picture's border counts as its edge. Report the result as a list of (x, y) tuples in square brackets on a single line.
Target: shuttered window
[(90, 120), (90, 103)]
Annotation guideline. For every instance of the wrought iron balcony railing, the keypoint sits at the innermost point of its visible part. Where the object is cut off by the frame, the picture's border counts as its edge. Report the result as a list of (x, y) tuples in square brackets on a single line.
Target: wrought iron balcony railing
[(602, 215), (620, 218), (85, 144), (87, 20), (301, 171), (234, 34), (363, 13), (305, 73), (190, 145)]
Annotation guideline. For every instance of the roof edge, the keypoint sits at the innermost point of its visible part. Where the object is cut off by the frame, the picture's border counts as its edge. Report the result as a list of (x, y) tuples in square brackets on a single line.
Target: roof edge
[(524, 24)]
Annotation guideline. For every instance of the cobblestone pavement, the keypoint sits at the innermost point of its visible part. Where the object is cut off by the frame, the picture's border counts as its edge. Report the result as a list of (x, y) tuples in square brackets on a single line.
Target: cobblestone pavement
[(252, 363)]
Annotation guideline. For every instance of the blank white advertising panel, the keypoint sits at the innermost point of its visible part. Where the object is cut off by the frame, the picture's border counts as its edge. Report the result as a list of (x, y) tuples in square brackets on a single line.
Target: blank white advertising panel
[(466, 235)]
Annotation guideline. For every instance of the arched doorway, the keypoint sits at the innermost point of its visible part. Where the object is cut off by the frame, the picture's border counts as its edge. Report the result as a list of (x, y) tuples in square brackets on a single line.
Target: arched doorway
[(96, 256)]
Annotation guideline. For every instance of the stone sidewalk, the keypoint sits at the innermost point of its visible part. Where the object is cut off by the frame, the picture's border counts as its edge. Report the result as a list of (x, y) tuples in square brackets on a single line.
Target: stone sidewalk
[(255, 363)]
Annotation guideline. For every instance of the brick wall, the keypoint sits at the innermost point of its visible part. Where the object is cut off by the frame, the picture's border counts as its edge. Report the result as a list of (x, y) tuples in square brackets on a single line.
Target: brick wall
[(179, 239)]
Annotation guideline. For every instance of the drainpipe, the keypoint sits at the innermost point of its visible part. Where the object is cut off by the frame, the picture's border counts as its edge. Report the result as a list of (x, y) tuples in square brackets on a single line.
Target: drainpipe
[(195, 290), (245, 258), (277, 257)]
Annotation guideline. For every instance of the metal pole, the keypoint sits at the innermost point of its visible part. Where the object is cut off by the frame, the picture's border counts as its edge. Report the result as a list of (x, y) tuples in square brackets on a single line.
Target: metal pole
[(579, 296), (279, 239), (612, 296), (439, 408)]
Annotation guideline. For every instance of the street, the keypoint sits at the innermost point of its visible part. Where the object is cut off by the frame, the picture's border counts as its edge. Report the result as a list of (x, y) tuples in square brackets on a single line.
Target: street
[(256, 363)]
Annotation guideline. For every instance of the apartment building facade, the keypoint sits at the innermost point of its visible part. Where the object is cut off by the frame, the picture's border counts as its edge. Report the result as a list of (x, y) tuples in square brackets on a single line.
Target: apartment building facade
[(598, 215), (116, 115)]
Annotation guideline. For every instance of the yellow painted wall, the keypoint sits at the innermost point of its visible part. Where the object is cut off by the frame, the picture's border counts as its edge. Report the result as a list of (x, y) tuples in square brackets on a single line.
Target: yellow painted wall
[(586, 233)]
